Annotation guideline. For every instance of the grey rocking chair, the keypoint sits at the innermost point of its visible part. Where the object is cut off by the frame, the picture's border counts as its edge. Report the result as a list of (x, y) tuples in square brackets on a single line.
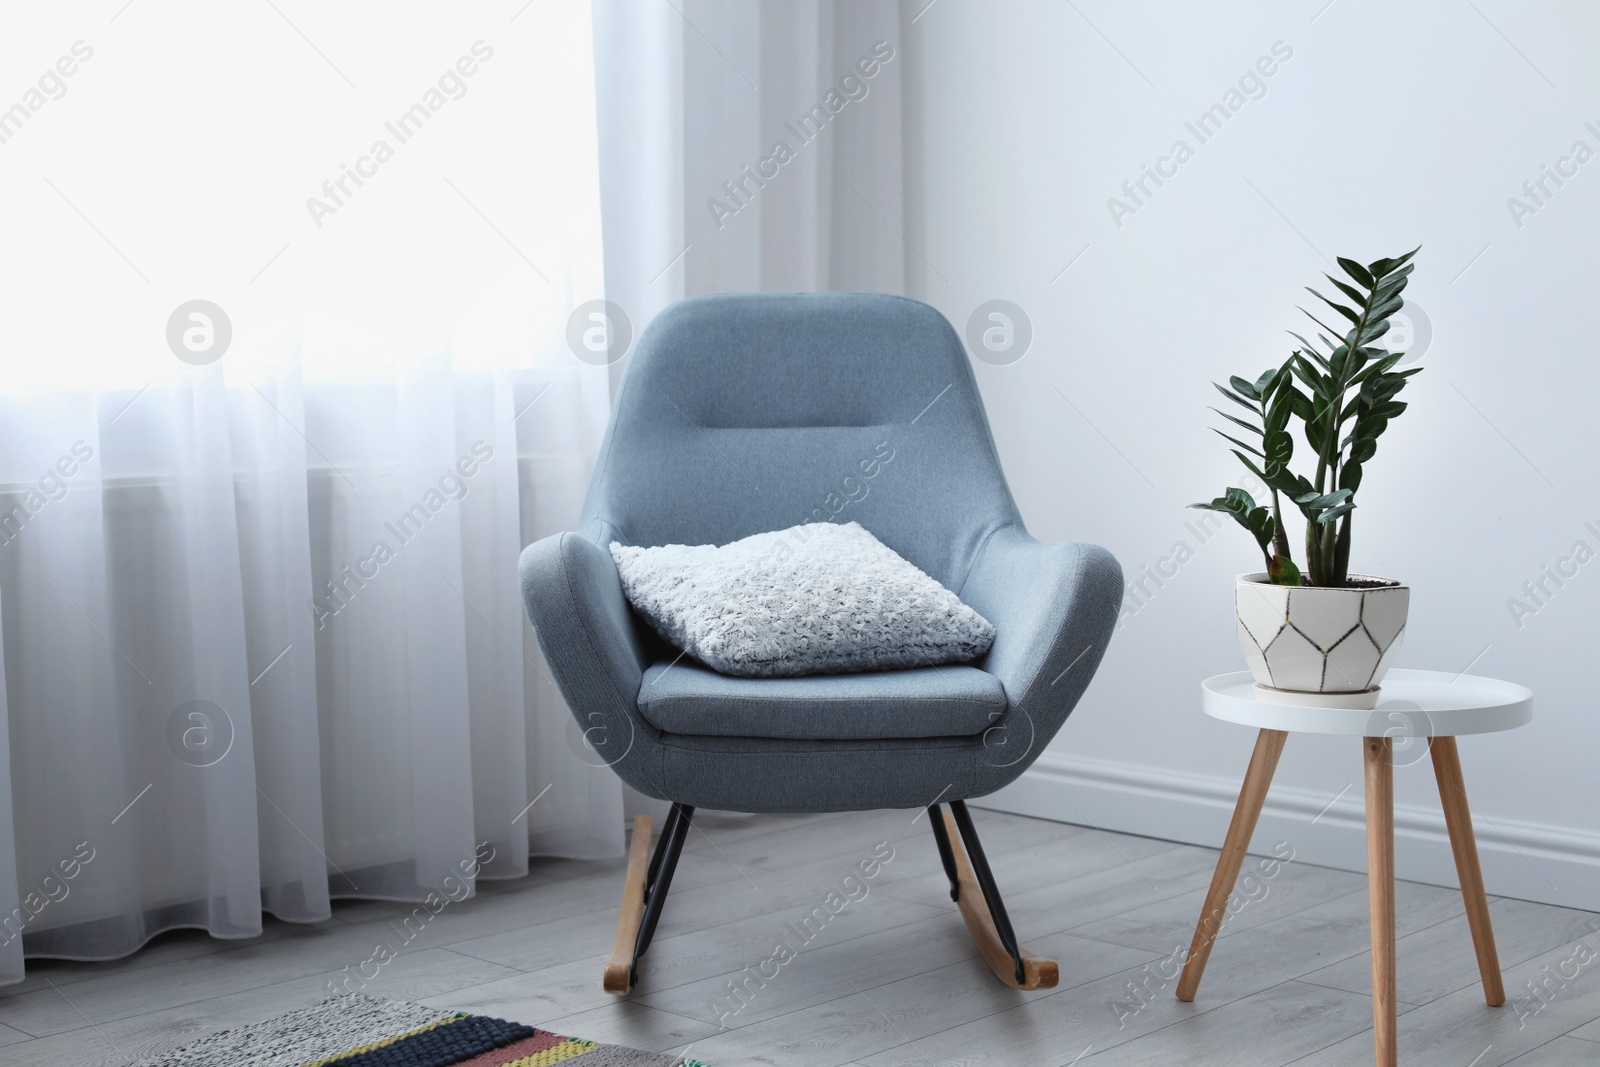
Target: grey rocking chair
[(752, 412)]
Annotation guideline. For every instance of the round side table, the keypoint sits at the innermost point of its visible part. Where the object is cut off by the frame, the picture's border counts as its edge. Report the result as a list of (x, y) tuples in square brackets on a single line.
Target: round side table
[(1414, 704)]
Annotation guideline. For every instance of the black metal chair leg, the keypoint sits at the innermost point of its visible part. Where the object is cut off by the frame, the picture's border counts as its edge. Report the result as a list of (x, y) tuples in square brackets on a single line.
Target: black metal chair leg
[(659, 880), (991, 891), (668, 828), (942, 838)]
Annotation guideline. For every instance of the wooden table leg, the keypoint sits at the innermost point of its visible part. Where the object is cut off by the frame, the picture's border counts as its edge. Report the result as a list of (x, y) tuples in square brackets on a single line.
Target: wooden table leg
[(1458, 819), (1263, 762), (1379, 753)]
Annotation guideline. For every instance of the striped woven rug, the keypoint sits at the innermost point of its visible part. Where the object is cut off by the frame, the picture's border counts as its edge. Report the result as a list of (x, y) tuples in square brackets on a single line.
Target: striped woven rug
[(360, 1031)]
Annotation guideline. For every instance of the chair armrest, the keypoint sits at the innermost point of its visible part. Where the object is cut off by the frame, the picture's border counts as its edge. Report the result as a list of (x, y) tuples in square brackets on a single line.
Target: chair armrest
[(1053, 608), (573, 595)]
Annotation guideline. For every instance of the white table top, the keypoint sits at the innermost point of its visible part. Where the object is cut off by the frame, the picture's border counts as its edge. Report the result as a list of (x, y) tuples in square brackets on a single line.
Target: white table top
[(1411, 704)]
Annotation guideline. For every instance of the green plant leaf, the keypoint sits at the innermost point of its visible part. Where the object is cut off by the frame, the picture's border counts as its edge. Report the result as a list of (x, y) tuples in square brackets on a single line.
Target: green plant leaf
[(1391, 287), (1248, 448), (1253, 409), (1287, 482), (1333, 346), (1351, 291), (1306, 373), (1243, 388), (1379, 390), (1380, 268), (1250, 464), (1260, 524), (1282, 571), (1316, 431), (1324, 500), (1362, 276), (1239, 504), (1220, 504), (1334, 512), (1377, 367), (1311, 349), (1353, 316), (1278, 447), (1239, 422), (1278, 414)]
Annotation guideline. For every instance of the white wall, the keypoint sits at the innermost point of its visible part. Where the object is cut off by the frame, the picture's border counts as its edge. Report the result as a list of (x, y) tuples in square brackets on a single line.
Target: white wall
[(1389, 126)]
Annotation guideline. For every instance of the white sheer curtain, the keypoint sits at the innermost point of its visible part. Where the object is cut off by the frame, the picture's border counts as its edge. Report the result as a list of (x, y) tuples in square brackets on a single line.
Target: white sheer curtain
[(263, 644)]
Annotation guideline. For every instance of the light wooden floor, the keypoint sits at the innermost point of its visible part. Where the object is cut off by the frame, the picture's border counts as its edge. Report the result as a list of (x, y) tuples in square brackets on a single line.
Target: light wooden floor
[(892, 978)]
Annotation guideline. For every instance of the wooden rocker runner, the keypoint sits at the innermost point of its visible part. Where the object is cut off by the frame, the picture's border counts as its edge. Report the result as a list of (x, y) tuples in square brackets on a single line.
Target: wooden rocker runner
[(972, 887)]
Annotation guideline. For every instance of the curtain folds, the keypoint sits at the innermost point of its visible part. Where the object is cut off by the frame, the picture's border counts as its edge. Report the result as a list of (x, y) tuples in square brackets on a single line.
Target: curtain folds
[(262, 644), (245, 673)]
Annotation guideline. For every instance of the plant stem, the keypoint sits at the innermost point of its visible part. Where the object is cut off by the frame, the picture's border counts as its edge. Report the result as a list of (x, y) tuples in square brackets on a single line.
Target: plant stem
[(1280, 536), (1341, 551), (1328, 458)]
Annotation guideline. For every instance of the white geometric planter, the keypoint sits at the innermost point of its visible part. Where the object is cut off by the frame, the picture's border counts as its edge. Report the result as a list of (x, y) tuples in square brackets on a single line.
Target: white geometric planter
[(1310, 639)]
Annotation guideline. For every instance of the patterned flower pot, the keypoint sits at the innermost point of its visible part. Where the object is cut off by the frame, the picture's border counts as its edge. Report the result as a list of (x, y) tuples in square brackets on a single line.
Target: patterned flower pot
[(1304, 640)]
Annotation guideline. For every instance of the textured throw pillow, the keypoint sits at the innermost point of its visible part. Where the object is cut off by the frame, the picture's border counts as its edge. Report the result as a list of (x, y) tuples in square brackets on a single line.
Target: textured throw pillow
[(814, 599)]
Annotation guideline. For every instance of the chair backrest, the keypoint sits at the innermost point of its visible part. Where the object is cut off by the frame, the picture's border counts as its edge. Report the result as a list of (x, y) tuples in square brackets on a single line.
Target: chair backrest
[(742, 413)]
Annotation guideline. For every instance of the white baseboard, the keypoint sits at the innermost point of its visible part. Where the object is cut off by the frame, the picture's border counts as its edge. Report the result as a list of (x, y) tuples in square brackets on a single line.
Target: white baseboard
[(1530, 861)]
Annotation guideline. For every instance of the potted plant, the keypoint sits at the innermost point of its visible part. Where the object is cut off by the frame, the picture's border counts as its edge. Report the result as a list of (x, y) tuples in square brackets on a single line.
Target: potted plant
[(1317, 633)]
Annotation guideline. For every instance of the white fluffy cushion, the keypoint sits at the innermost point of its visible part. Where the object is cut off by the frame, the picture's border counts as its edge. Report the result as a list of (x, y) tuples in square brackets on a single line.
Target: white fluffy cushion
[(815, 599)]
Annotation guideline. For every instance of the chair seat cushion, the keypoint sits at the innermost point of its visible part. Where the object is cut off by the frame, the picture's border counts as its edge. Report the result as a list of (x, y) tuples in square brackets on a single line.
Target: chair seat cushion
[(821, 598), (681, 698)]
